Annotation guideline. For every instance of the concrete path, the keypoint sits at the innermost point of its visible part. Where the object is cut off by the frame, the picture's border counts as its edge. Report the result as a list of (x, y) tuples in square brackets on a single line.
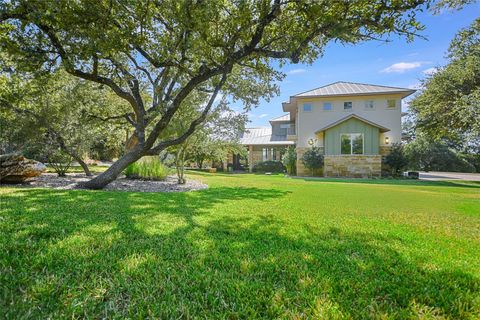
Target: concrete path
[(433, 176)]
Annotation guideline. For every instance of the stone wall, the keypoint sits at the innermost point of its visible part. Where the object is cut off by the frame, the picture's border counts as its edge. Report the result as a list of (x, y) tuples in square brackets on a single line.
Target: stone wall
[(255, 156), (355, 166)]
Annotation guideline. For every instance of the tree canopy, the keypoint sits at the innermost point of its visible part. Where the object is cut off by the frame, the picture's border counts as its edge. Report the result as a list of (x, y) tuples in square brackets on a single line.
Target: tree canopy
[(173, 49), (57, 113), (449, 105)]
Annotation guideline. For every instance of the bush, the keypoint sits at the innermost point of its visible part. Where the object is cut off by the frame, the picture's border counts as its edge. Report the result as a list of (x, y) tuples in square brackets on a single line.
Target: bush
[(59, 161), (269, 166), (149, 168), (290, 160), (396, 160), (426, 155), (313, 159)]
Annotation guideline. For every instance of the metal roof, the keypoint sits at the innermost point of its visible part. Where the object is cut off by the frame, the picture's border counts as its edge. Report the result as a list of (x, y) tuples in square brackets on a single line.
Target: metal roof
[(337, 122), (342, 88), (262, 136), (285, 117)]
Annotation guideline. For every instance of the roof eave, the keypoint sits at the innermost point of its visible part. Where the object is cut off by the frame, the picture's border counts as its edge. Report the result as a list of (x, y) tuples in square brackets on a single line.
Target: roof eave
[(341, 120), (405, 93)]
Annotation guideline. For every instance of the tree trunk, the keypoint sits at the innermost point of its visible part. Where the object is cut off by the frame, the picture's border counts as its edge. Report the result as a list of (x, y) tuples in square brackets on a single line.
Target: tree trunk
[(179, 164), (115, 169), (85, 168)]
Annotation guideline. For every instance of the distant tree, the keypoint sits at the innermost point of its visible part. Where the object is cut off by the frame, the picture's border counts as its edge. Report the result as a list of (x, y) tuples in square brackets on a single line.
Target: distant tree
[(214, 150), (313, 159), (56, 112), (217, 137), (396, 159), (408, 127), (428, 155), (174, 49), (448, 107), (290, 160)]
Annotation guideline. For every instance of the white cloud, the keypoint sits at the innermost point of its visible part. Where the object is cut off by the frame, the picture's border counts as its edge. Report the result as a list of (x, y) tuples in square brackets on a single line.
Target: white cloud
[(401, 67), (430, 71), (263, 115), (296, 71)]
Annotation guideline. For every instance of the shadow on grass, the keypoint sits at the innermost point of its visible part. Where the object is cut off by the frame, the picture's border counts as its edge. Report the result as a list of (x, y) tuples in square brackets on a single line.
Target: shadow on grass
[(115, 254), (407, 182)]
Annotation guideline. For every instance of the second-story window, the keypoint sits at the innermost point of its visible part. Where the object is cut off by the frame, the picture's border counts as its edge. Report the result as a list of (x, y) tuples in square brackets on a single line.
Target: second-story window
[(369, 105), (347, 105), (391, 104), (284, 128), (307, 107), (327, 106)]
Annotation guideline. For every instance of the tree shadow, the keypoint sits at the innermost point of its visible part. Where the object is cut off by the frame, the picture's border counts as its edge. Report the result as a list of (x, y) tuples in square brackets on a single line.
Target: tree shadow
[(116, 254)]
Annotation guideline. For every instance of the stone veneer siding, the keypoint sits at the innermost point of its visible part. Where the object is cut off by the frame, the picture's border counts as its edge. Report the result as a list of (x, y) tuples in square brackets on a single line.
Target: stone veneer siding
[(355, 166), (255, 156)]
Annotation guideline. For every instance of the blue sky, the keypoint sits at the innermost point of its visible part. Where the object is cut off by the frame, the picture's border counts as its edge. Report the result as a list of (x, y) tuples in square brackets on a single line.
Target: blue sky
[(397, 63)]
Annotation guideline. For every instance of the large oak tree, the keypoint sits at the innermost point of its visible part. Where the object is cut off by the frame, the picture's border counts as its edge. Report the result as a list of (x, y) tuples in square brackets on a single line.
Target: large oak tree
[(448, 106), (179, 48)]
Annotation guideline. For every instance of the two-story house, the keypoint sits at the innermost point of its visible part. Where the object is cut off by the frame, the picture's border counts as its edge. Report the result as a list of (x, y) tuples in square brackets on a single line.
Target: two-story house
[(354, 124)]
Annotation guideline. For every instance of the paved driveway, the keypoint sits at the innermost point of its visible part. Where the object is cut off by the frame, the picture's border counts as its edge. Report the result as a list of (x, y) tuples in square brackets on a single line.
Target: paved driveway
[(449, 176)]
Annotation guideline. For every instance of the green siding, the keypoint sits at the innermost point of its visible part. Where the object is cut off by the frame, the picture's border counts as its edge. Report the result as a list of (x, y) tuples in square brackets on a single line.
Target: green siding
[(371, 136)]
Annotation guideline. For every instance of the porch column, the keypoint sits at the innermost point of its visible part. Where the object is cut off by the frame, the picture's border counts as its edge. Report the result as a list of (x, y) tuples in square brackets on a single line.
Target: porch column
[(250, 158)]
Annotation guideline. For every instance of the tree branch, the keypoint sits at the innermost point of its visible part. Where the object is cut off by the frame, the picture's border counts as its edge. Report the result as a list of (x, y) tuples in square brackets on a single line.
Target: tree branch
[(193, 125)]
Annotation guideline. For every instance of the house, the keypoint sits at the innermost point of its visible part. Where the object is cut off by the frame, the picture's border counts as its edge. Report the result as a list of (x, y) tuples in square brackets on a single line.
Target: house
[(354, 124)]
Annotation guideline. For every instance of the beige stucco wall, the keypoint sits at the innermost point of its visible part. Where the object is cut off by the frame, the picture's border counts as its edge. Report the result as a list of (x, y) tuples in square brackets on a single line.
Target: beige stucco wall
[(309, 122), (355, 166)]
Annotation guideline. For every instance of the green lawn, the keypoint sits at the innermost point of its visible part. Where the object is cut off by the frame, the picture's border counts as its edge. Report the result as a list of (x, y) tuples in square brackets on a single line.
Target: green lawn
[(250, 246)]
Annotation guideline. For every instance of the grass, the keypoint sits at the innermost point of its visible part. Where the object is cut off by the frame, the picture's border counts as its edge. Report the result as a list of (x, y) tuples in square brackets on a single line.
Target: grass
[(250, 246), (149, 168)]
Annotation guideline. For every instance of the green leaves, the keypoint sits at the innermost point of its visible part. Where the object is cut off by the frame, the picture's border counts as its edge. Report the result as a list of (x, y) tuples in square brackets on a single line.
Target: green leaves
[(177, 51), (449, 107), (313, 158)]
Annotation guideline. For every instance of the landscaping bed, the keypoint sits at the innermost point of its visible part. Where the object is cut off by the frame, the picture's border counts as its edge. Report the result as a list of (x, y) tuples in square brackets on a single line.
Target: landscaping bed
[(74, 181)]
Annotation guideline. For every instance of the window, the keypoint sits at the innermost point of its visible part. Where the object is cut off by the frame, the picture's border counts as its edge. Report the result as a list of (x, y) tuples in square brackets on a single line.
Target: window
[(284, 128), (347, 105), (307, 107), (264, 154), (351, 143), (391, 104), (327, 106), (274, 154), (369, 105)]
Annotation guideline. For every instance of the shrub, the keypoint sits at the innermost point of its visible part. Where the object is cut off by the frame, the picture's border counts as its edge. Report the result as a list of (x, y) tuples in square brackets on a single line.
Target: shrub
[(313, 159), (423, 154), (59, 161), (290, 160), (269, 166), (149, 168), (396, 159)]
